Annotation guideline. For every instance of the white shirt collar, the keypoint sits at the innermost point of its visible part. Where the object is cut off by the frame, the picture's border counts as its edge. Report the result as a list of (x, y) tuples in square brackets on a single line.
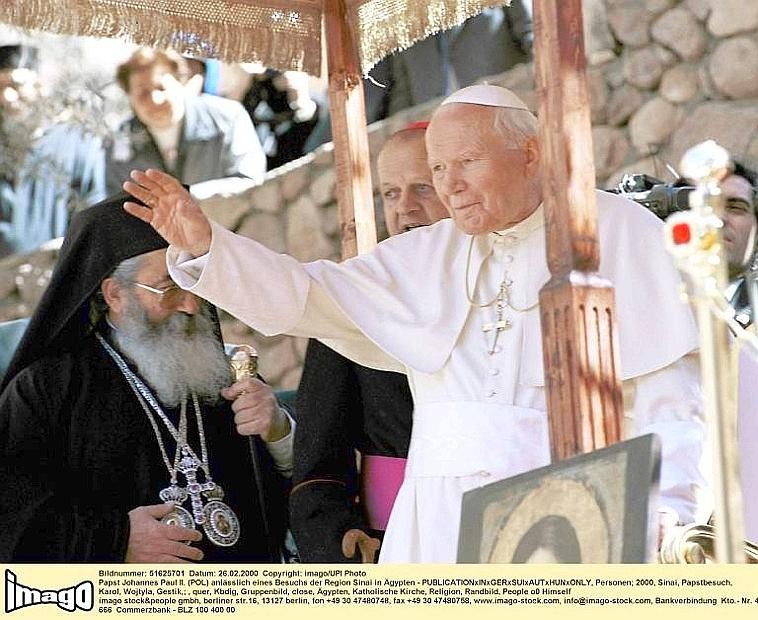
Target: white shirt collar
[(518, 232)]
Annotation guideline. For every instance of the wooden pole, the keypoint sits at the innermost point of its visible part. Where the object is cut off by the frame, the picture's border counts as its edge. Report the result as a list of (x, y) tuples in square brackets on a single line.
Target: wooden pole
[(580, 345), (355, 198)]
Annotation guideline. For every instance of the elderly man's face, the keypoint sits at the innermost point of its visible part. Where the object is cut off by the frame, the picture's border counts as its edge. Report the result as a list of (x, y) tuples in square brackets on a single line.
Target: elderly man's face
[(408, 194), (481, 179), (171, 339), (156, 96), (739, 221), (158, 308)]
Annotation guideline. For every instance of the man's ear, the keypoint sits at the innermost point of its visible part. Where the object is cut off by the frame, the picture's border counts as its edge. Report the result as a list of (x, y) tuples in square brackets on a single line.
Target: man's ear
[(532, 149), (113, 294)]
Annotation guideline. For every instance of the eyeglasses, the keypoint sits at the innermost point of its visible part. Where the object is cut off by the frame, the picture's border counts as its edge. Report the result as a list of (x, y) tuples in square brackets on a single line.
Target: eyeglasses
[(168, 295)]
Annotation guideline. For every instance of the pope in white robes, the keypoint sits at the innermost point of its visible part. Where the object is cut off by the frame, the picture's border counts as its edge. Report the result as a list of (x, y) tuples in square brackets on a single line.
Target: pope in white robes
[(426, 303)]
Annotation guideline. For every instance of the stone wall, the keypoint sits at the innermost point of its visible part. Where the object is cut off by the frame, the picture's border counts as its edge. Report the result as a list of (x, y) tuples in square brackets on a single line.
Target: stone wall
[(681, 72), (663, 75)]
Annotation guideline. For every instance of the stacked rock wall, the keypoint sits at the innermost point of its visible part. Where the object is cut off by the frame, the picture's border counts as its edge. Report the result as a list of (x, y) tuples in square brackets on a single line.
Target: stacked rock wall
[(663, 75), (682, 72)]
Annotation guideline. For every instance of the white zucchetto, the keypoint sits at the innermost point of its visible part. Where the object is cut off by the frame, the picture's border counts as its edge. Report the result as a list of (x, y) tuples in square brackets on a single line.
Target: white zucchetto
[(489, 95)]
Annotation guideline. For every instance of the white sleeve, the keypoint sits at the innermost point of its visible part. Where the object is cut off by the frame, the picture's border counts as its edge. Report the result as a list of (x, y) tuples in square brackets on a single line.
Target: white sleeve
[(668, 402), (273, 294), (281, 449)]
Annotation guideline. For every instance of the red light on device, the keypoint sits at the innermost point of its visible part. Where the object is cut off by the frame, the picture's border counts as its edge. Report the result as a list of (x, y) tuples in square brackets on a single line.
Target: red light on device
[(681, 233)]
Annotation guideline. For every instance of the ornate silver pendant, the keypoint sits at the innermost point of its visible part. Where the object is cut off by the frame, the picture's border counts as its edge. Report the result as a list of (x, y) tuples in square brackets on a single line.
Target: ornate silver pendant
[(179, 516), (213, 491), (221, 525), (174, 493)]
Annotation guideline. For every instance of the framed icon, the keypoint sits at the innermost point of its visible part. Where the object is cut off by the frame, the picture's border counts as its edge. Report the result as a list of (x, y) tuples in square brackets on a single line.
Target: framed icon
[(594, 508)]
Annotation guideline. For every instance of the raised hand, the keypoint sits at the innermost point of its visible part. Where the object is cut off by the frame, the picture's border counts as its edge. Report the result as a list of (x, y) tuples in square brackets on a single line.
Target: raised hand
[(170, 210), (151, 541)]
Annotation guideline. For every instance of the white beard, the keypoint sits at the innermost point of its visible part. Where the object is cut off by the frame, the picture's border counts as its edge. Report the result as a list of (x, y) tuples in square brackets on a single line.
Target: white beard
[(179, 356)]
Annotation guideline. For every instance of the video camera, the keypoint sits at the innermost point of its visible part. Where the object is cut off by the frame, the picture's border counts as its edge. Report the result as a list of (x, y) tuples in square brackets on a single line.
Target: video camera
[(661, 198)]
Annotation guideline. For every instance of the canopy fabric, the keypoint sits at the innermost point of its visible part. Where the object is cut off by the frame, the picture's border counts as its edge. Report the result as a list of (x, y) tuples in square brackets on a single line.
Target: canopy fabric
[(281, 34)]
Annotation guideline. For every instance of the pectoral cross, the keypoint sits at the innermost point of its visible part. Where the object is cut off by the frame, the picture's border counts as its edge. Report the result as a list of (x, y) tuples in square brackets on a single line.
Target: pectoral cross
[(189, 466), (498, 326), (501, 323)]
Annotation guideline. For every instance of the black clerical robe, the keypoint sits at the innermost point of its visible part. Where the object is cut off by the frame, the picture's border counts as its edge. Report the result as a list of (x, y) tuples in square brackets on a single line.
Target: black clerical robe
[(78, 453), (341, 407)]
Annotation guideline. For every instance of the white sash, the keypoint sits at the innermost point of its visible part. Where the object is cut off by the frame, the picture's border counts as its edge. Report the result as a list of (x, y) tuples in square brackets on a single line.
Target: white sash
[(475, 438)]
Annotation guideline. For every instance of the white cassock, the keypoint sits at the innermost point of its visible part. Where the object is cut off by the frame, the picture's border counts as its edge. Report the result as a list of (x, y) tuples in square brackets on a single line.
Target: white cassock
[(479, 414)]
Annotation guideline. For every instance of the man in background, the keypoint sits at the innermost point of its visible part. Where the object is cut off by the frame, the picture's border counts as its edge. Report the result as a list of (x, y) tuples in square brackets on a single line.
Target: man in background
[(194, 137), (283, 111), (343, 407), (739, 190)]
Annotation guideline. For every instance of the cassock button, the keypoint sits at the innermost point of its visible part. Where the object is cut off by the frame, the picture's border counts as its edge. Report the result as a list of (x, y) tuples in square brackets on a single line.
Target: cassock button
[(508, 258), (494, 371), (491, 393)]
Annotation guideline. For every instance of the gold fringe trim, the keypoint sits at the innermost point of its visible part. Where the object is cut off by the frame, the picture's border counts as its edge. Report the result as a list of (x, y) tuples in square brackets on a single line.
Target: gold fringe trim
[(386, 26), (282, 34)]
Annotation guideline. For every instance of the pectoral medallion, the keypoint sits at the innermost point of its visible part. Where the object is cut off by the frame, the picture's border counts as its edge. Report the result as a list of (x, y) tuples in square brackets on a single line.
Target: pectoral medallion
[(179, 516), (221, 525)]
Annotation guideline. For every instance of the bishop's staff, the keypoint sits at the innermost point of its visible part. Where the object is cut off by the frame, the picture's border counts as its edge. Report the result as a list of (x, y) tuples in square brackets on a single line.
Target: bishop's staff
[(243, 360), (694, 237)]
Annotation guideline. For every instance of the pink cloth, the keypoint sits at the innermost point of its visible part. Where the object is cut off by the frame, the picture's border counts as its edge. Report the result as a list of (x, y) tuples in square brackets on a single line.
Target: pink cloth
[(381, 477)]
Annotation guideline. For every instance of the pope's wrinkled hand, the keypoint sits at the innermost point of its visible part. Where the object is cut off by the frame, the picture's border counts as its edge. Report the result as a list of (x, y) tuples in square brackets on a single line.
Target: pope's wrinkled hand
[(170, 210), (151, 541), (256, 410)]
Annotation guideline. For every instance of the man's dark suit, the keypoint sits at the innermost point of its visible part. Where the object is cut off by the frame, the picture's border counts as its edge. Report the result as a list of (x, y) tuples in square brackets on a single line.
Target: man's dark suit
[(341, 407)]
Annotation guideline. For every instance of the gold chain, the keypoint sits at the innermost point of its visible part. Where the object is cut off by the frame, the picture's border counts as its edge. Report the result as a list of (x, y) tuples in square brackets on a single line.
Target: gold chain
[(504, 290), (469, 297)]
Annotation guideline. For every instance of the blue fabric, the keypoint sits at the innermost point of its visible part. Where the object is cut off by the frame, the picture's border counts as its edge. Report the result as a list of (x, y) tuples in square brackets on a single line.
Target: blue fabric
[(10, 335), (287, 397), (212, 83), (64, 170)]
